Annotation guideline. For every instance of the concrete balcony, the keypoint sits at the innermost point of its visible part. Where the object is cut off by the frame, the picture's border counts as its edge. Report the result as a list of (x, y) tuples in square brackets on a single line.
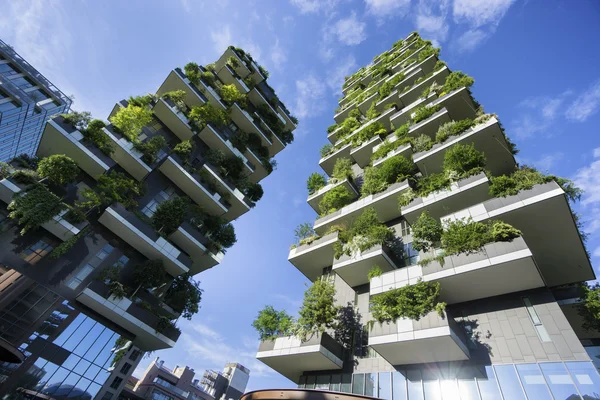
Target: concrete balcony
[(289, 124), (247, 123), (238, 203), (258, 98), (385, 204), (133, 318), (328, 162), (215, 139), (487, 138), (242, 70), (259, 172), (62, 138), (427, 65), (489, 272), (428, 340), (144, 239), (291, 357), (469, 191), (212, 95), (173, 119), (310, 259), (355, 269), (229, 77), (194, 186), (544, 216), (315, 198), (127, 156), (277, 144), (194, 243), (403, 150), (178, 81)]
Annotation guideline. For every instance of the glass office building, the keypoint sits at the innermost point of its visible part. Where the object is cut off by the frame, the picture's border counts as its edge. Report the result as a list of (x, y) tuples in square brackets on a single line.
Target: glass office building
[(27, 101)]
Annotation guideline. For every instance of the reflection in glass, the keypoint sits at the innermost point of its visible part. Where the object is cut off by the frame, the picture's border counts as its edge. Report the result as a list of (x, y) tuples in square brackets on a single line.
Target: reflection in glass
[(488, 387), (586, 378), (335, 382), (371, 384), (358, 383), (415, 387), (468, 390), (509, 382), (449, 389), (398, 386), (558, 379), (432, 390), (310, 382), (346, 383), (533, 381), (385, 386), (322, 382)]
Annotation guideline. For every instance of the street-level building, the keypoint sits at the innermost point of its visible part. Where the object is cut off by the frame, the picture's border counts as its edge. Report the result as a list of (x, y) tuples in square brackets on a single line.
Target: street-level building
[(230, 384)]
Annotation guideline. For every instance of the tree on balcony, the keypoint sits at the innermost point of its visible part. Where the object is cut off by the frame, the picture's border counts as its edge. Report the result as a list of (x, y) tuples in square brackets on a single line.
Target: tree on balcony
[(177, 97), (131, 119), (315, 182), (335, 199), (35, 206), (231, 94), (150, 148), (58, 169), (209, 114), (392, 170), (115, 187), (184, 296), (589, 307), (366, 232), (318, 312), (271, 323), (148, 275), (169, 215)]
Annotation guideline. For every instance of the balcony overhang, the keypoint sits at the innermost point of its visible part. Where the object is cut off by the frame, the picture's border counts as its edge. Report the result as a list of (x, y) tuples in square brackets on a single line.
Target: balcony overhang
[(487, 138), (242, 70), (213, 97), (123, 224), (385, 204), (257, 98), (260, 172), (192, 187), (56, 140), (277, 145), (215, 140), (459, 104), (115, 310), (383, 119), (414, 93), (315, 198), (396, 96), (489, 272), (362, 154), (127, 157), (246, 123), (466, 192), (173, 119), (310, 259), (227, 76), (354, 270), (431, 339), (193, 243), (178, 81), (403, 116), (289, 124), (291, 357), (235, 198), (430, 126), (544, 209), (404, 151), (328, 162)]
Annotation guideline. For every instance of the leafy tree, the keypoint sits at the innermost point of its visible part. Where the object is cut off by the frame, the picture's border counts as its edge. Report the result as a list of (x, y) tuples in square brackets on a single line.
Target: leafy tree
[(372, 112), (209, 114), (456, 80), (335, 199), (423, 112), (35, 206), (589, 308), (392, 170), (411, 301), (271, 323), (315, 182), (463, 158), (465, 236), (192, 71), (427, 232), (184, 149), (58, 168), (79, 120), (94, 133), (326, 149), (177, 97), (141, 101), (366, 231), (318, 312), (169, 215), (4, 170), (150, 148), (342, 169), (115, 187), (131, 119), (304, 231), (231, 94), (218, 229), (184, 296), (148, 275)]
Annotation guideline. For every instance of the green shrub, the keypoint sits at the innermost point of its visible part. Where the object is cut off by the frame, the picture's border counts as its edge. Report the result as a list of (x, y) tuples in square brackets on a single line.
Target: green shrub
[(349, 125), (252, 190), (326, 150), (503, 232), (141, 101), (342, 169), (386, 88), (465, 236), (589, 307), (428, 52), (4, 170), (411, 301), (231, 94), (332, 128), (209, 114), (402, 131), (177, 97), (335, 199), (315, 182), (65, 246), (184, 149), (427, 232), (79, 120), (463, 158), (355, 114), (452, 128), (372, 112), (374, 272), (421, 143), (58, 169), (392, 170), (94, 133), (25, 176), (33, 207), (115, 187), (423, 112), (184, 296), (385, 148), (456, 80), (271, 323), (367, 133), (169, 215), (318, 312), (150, 148), (304, 231), (232, 62), (365, 232), (131, 119), (432, 183)]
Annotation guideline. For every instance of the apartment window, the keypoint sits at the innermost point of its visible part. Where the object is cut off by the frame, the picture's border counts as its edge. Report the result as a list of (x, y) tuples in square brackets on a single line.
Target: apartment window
[(537, 322), (81, 275), (156, 395), (8, 69), (125, 368), (38, 95), (23, 82), (107, 396), (34, 253), (404, 228), (116, 382), (9, 105), (122, 261), (134, 355), (106, 250), (161, 197), (410, 255)]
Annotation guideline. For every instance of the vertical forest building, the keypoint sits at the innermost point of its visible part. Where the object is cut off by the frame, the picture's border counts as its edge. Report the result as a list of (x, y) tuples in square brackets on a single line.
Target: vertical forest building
[(104, 230), (441, 268)]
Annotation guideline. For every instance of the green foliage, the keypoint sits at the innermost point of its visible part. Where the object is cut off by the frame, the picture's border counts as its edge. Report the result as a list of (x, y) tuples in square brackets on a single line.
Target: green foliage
[(355, 114), (209, 114), (232, 62), (372, 182), (192, 71), (4, 170), (131, 119), (164, 324), (111, 276), (503, 232), (332, 128), (374, 272), (385, 148), (65, 246), (468, 236), (177, 97), (427, 52), (411, 301), (59, 169), (305, 234), (231, 94), (326, 149), (423, 112), (452, 128), (366, 232), (349, 125), (95, 134), (589, 308), (271, 323), (26, 161), (150, 148), (456, 80), (427, 232), (252, 190), (387, 87), (79, 120), (318, 311), (335, 199), (315, 182), (33, 207), (402, 131), (433, 183), (405, 198), (342, 169), (184, 296), (150, 274), (421, 143), (263, 71), (115, 187), (372, 112), (463, 158), (141, 101), (25, 176), (366, 133), (217, 229), (169, 215), (184, 149), (392, 170)]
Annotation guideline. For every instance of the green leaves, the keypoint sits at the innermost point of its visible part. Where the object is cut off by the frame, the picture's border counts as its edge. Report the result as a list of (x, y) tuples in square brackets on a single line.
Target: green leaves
[(231, 94), (315, 182), (465, 236), (271, 323), (318, 312), (374, 272), (366, 232), (184, 296), (58, 168), (33, 207), (463, 158), (342, 169), (589, 309), (115, 187), (150, 148), (334, 199), (131, 119), (209, 114), (184, 149), (169, 215), (392, 170), (456, 80), (427, 232), (423, 112), (412, 301)]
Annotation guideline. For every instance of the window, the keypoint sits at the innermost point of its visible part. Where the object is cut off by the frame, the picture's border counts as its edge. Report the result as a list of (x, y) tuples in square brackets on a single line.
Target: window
[(399, 386), (8, 69), (116, 382), (371, 385), (125, 368), (81, 275), (107, 396), (9, 105), (23, 82), (385, 386), (509, 382), (559, 380), (156, 395), (358, 383), (106, 250), (533, 381), (586, 379), (404, 228), (537, 322), (38, 250), (38, 95), (410, 255), (134, 355), (322, 382), (161, 197)]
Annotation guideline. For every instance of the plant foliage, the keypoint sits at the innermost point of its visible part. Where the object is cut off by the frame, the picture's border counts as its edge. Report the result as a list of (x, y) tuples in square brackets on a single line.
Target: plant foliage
[(427, 232), (32, 207), (411, 301), (131, 119), (318, 311), (271, 323), (315, 182), (58, 168), (184, 296), (334, 199)]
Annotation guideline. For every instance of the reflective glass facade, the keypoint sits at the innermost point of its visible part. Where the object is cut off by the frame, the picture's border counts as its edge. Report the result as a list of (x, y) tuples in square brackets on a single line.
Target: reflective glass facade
[(27, 101), (534, 381)]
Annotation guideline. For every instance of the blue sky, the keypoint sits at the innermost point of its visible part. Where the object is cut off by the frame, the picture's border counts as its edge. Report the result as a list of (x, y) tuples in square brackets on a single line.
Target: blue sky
[(535, 64)]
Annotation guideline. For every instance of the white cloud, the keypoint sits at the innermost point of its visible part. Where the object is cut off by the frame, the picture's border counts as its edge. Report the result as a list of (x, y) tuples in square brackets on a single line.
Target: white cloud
[(469, 40), (310, 93), (315, 6), (278, 55), (478, 13), (387, 8), (596, 252), (204, 330), (349, 31), (335, 78), (537, 115), (548, 161), (588, 179), (431, 20), (221, 39), (585, 105)]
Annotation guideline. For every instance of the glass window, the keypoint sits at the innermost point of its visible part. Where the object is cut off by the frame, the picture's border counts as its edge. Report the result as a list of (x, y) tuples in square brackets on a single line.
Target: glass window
[(34, 253), (23, 82), (310, 382), (134, 355), (398, 386), (431, 386), (371, 385), (8, 69), (415, 386), (488, 387), (358, 383), (302, 382), (89, 340), (410, 255), (38, 95), (385, 386), (91, 372), (125, 368), (335, 382), (449, 388), (106, 250), (81, 275), (509, 382), (537, 322), (107, 395), (346, 386), (467, 390), (586, 378), (9, 105), (323, 382), (558, 379), (533, 381), (116, 382)]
